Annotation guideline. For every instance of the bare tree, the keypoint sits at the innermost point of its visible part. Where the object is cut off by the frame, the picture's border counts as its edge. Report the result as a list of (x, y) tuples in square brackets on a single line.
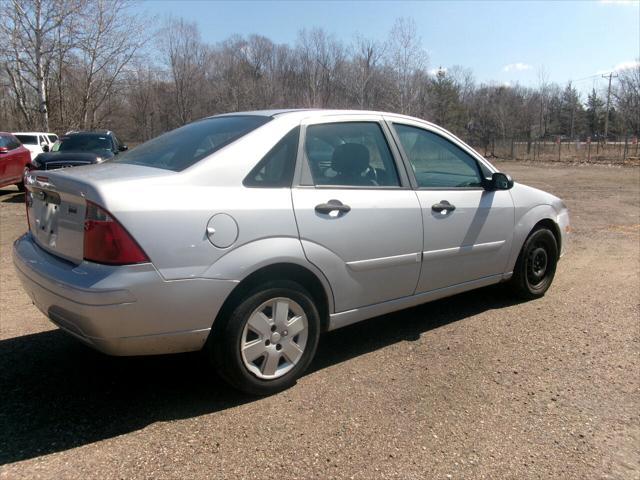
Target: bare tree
[(185, 56), (407, 60), (109, 37), (321, 58), (366, 59), (65, 68), (28, 34), (627, 97)]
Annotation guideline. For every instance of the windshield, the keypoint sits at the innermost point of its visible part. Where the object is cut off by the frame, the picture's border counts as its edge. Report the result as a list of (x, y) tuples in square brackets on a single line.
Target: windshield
[(83, 143), (185, 146), (27, 139)]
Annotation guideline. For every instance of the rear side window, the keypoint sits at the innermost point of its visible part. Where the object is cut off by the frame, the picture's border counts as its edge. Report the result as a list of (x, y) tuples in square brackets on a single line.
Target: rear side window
[(27, 139), (185, 146), (276, 167), (350, 154)]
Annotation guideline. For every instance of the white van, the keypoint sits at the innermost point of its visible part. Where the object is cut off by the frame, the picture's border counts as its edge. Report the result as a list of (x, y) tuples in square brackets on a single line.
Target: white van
[(36, 142)]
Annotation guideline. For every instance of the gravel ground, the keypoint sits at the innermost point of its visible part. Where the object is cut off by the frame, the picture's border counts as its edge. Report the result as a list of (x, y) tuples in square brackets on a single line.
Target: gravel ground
[(474, 386)]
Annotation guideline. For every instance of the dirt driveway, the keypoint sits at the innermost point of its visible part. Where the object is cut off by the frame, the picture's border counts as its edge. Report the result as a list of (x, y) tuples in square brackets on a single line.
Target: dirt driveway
[(475, 386)]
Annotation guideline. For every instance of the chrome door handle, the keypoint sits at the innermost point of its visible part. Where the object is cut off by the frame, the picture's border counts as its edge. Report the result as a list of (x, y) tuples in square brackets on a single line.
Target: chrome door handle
[(331, 206), (442, 206)]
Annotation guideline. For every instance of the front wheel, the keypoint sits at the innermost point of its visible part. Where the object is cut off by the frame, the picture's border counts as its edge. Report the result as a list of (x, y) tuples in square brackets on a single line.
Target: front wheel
[(536, 265), (268, 340)]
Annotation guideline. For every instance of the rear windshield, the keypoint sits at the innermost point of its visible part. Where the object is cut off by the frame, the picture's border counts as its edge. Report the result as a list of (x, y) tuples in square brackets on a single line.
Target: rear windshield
[(83, 143), (27, 139), (185, 146)]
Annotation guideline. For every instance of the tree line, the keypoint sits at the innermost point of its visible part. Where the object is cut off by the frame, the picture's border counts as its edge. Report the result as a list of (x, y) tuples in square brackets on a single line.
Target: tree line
[(86, 64)]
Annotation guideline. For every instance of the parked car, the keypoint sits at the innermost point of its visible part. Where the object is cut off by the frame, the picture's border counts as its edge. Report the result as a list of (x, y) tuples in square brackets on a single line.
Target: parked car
[(36, 142), (249, 234), (14, 161), (80, 148)]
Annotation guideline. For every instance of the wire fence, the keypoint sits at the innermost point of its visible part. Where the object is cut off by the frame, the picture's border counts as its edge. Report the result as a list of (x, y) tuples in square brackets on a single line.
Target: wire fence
[(618, 151)]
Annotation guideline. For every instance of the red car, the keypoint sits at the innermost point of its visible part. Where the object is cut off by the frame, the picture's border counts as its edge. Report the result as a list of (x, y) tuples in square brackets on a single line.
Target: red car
[(14, 161)]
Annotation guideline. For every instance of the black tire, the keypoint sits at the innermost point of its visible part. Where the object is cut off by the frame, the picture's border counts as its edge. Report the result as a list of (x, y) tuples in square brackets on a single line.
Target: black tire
[(224, 346), (536, 265)]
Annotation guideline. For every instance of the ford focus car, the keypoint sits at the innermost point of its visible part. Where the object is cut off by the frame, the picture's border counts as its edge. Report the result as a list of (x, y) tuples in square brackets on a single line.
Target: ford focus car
[(249, 234)]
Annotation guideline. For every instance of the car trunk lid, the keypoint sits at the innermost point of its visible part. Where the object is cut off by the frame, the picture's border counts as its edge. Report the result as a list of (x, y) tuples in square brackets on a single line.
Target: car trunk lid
[(56, 218)]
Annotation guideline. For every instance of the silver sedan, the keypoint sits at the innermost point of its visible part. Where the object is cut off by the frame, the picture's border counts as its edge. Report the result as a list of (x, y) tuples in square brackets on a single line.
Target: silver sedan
[(249, 234)]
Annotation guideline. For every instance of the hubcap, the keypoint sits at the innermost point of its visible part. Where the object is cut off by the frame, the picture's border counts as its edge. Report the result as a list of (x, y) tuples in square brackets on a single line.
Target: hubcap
[(274, 338), (537, 265)]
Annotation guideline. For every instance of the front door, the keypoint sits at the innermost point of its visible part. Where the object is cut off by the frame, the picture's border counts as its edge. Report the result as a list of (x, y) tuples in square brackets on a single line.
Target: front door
[(467, 230), (359, 222)]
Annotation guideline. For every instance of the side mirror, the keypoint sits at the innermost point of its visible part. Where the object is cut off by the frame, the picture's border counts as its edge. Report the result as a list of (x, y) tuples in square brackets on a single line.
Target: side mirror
[(45, 147), (123, 148), (499, 181)]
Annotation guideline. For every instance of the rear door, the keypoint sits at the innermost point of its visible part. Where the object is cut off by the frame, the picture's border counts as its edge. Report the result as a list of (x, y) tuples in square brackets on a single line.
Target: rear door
[(358, 219), (467, 230)]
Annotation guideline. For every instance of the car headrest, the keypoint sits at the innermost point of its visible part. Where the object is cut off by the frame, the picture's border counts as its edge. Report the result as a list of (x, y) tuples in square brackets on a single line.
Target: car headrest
[(350, 158)]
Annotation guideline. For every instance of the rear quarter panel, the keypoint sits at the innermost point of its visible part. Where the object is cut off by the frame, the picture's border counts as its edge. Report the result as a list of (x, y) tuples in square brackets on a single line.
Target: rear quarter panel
[(170, 224)]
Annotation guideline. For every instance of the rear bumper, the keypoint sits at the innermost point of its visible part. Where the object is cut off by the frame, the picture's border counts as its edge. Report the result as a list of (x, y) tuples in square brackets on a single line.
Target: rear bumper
[(120, 310)]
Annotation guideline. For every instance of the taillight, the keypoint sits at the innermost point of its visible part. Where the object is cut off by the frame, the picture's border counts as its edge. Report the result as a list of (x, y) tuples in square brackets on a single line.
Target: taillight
[(106, 241)]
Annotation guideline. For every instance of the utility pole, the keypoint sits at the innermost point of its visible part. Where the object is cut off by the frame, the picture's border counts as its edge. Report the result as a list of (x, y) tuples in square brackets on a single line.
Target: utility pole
[(606, 118)]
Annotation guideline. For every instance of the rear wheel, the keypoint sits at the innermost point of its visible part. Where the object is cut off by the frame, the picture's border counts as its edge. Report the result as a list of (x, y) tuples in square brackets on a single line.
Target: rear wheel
[(268, 340), (536, 265)]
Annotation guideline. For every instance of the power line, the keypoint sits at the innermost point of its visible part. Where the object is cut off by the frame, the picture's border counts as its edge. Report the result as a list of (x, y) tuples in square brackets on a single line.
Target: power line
[(586, 78)]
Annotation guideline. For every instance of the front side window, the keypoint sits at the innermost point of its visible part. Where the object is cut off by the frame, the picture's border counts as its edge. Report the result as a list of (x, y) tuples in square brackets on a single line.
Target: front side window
[(350, 154), (185, 146), (52, 138), (436, 162), (276, 167)]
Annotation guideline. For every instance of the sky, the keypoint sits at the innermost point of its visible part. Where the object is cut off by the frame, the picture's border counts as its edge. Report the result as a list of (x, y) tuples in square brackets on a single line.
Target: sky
[(505, 42)]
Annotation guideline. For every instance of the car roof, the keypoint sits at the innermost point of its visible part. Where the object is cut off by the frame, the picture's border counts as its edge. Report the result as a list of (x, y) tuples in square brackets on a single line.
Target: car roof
[(317, 113), (34, 133), (264, 113)]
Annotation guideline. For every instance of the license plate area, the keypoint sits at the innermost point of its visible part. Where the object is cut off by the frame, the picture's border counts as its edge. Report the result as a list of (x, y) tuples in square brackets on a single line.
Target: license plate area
[(46, 207), (57, 222)]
